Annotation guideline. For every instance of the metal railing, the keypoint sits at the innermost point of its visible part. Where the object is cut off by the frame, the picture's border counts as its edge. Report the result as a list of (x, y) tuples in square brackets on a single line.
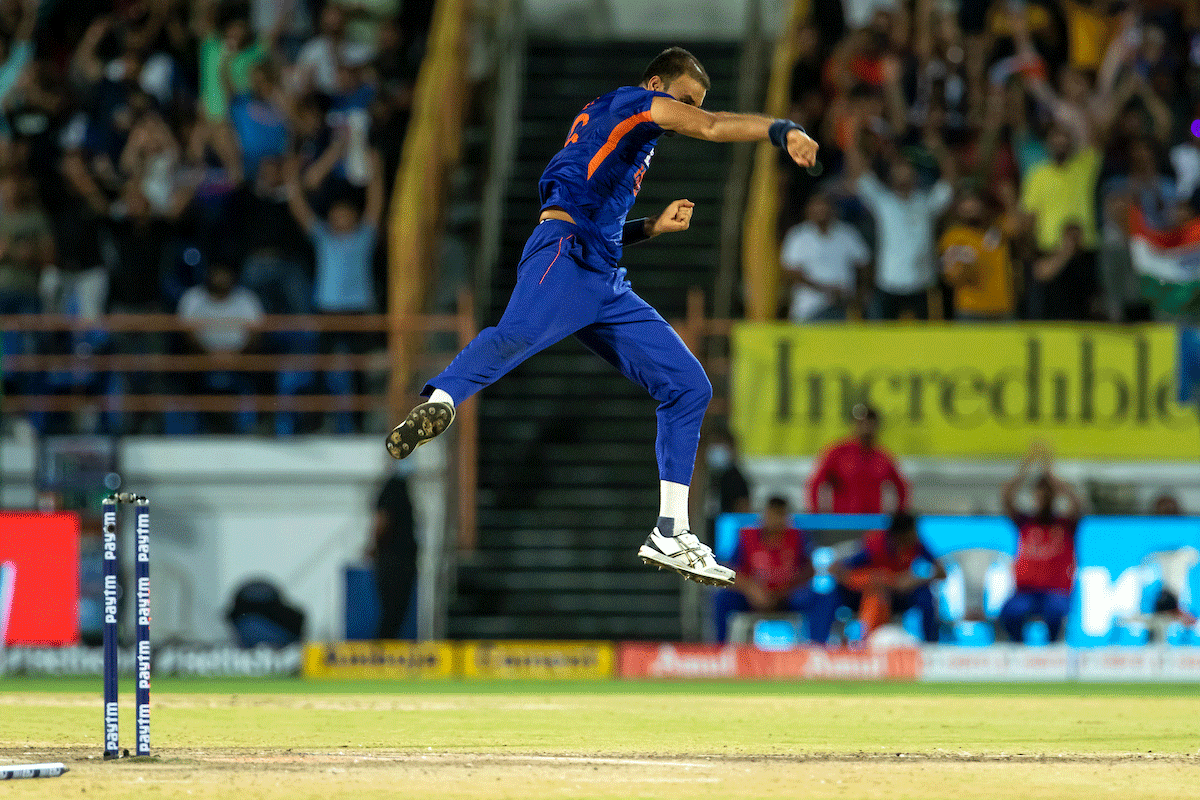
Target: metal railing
[(77, 389)]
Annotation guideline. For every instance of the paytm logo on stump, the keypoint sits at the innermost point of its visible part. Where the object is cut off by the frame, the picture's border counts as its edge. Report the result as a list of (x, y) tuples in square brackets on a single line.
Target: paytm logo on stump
[(1124, 564)]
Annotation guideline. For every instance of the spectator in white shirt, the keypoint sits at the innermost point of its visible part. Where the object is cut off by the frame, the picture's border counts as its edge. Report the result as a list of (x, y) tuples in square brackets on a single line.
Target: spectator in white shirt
[(905, 216), (821, 258), (225, 316), (319, 60)]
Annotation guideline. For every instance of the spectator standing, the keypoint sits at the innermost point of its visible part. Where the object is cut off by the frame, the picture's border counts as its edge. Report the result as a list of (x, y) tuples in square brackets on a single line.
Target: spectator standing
[(975, 261), (26, 245), (774, 574), (228, 51), (1045, 565), (393, 548), (258, 116), (856, 470), (322, 56), (904, 223), (822, 258), (730, 491), (1059, 198), (344, 248), (889, 575), (272, 248)]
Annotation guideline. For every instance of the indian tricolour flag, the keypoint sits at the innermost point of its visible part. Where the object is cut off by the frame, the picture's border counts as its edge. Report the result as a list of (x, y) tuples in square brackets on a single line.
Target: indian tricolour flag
[(1168, 262)]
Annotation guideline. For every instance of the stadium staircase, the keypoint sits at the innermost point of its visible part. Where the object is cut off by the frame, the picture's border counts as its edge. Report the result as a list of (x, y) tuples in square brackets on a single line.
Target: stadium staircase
[(568, 481)]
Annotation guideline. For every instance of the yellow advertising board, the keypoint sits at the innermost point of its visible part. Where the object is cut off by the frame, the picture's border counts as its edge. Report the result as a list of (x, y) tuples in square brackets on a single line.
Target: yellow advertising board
[(374, 660), (514, 659), (963, 390)]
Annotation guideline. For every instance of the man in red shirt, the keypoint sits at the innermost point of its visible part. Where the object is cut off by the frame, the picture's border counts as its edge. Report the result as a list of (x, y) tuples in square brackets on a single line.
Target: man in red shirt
[(774, 573), (856, 471), (1045, 565)]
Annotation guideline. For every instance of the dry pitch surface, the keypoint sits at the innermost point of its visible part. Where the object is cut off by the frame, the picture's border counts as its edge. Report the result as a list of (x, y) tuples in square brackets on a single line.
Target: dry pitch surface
[(290, 739)]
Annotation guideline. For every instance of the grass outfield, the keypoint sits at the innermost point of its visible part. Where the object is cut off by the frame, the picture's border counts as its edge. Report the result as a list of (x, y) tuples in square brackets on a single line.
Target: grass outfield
[(696, 739)]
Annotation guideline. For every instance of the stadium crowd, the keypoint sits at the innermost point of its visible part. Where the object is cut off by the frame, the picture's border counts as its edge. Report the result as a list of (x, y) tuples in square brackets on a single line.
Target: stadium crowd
[(994, 159), (210, 159)]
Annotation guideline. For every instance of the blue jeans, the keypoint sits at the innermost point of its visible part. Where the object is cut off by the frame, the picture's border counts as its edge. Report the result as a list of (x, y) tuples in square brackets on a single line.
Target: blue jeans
[(1051, 606), (818, 610)]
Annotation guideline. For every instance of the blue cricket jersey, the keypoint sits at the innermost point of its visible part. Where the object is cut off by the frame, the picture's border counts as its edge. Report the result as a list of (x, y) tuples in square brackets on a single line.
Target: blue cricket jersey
[(598, 173)]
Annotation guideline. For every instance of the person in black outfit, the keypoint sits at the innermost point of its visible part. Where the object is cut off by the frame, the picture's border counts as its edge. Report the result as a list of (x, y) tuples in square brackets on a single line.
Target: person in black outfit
[(730, 491), (393, 547)]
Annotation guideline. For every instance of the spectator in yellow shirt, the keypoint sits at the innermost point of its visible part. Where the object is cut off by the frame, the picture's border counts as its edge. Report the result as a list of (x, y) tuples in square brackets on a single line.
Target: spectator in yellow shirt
[(974, 253)]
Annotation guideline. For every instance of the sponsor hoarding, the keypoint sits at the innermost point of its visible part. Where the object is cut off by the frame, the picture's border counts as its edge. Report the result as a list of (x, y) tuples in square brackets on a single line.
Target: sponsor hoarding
[(39, 578), (667, 660), (197, 661), (509, 659), (963, 391), (381, 659)]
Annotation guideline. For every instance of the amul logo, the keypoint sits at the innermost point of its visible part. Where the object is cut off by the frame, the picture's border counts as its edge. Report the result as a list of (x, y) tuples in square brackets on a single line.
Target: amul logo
[(671, 662)]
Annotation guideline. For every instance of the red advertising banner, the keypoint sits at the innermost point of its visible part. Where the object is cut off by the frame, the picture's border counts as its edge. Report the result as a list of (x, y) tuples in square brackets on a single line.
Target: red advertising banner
[(39, 578), (646, 660)]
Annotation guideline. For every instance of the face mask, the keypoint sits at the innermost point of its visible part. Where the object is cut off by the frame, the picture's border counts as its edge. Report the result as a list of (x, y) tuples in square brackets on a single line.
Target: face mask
[(718, 457)]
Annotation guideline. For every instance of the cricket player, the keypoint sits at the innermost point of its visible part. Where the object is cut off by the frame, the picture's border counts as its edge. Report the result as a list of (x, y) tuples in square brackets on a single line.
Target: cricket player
[(569, 282)]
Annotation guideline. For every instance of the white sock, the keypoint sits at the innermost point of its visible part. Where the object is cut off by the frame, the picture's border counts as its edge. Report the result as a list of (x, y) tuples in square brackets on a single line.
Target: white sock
[(673, 508), (439, 396)]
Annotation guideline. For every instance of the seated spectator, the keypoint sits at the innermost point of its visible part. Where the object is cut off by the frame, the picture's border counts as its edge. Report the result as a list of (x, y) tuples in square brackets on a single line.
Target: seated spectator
[(856, 470), (889, 575), (344, 248), (774, 574), (1045, 565), (822, 257), (225, 316), (975, 261)]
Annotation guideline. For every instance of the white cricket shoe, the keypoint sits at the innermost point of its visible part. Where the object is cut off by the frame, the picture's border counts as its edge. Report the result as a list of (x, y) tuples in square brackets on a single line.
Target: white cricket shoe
[(687, 555), (422, 424)]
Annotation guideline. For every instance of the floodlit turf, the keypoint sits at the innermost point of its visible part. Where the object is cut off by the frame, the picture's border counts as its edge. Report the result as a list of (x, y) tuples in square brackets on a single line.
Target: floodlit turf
[(455, 739)]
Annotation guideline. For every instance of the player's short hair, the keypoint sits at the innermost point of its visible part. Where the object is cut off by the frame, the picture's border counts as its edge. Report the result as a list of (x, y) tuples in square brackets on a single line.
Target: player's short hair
[(673, 62), (865, 411), (778, 501)]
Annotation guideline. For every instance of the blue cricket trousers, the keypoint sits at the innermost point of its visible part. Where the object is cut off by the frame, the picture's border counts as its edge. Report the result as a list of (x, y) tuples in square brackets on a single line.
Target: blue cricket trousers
[(561, 291), (1025, 604)]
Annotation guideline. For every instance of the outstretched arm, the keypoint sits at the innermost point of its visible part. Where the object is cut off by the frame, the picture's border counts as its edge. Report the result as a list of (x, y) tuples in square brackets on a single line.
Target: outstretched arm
[(724, 126), (1037, 452)]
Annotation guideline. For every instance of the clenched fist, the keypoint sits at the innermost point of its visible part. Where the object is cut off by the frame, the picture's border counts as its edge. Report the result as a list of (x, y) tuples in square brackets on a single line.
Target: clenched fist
[(802, 148), (676, 217)]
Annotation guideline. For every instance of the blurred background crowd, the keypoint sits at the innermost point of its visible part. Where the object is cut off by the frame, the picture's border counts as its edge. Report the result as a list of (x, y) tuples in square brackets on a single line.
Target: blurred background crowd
[(212, 159), (993, 160), (981, 160)]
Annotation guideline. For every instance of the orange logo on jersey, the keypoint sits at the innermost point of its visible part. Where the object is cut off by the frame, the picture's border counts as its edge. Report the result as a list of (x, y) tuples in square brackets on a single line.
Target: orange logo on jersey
[(579, 122), (637, 176)]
